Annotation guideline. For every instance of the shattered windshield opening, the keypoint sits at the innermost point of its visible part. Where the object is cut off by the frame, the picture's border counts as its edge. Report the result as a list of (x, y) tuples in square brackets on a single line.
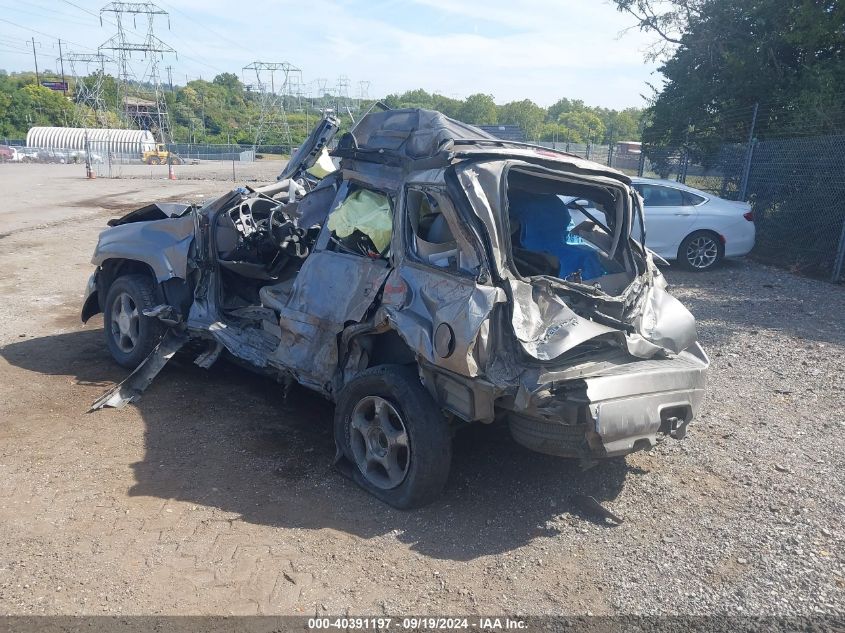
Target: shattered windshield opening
[(569, 230)]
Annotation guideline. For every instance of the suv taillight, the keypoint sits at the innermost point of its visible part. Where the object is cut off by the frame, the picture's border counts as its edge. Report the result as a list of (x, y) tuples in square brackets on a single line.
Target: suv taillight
[(749, 216)]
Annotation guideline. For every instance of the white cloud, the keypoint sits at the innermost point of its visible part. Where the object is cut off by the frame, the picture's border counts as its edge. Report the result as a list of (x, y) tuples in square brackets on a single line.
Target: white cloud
[(538, 49)]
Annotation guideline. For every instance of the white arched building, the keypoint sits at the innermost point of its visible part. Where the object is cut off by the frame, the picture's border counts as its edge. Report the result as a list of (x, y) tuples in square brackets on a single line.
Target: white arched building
[(114, 141)]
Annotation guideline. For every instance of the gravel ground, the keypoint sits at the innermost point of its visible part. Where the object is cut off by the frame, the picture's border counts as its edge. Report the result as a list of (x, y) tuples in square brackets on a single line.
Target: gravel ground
[(215, 495), (746, 511)]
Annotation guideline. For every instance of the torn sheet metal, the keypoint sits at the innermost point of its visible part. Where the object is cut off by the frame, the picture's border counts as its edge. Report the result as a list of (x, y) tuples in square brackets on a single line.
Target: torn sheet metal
[(544, 325), (486, 207), (134, 385), (155, 211), (330, 290), (161, 244), (665, 322), (252, 344), (419, 302), (209, 356)]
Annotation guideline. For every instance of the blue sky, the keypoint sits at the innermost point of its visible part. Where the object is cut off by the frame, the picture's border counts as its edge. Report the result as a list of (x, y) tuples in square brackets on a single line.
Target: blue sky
[(537, 49)]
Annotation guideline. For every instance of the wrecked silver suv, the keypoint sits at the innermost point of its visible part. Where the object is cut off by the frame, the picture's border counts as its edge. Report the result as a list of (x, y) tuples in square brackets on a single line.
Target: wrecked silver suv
[(434, 279)]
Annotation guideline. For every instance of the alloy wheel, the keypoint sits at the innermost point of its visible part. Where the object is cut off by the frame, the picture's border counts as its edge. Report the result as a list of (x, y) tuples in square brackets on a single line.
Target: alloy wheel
[(379, 442), (702, 252), (125, 322)]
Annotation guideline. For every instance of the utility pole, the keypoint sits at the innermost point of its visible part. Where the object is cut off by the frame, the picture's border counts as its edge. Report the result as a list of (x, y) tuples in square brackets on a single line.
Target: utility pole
[(170, 77), (62, 63), (35, 58)]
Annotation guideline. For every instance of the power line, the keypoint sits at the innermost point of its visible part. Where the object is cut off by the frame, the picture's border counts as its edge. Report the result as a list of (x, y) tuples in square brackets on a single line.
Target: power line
[(40, 15), (52, 37), (240, 45), (127, 29)]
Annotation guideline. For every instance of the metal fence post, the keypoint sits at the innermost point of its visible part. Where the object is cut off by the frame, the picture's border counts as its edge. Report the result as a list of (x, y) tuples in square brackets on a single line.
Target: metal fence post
[(683, 161), (641, 162), (840, 256), (749, 152)]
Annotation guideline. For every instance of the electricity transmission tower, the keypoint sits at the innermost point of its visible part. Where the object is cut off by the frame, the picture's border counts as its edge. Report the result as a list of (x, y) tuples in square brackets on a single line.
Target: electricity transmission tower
[(295, 88), (140, 95), (321, 84), (363, 92), (272, 83), (88, 71), (342, 94)]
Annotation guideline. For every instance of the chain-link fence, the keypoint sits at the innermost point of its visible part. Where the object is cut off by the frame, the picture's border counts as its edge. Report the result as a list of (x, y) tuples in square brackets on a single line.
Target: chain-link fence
[(197, 159), (796, 187)]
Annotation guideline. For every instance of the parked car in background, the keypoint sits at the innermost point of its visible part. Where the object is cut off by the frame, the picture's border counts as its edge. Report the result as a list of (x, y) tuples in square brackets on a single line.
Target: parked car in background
[(8, 154), (51, 156), (28, 154), (693, 227), (79, 156)]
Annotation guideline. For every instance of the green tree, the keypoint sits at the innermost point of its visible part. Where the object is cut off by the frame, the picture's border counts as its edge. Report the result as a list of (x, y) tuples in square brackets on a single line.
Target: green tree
[(581, 126), (479, 109), (35, 105), (720, 58), (562, 106), (229, 82), (526, 114)]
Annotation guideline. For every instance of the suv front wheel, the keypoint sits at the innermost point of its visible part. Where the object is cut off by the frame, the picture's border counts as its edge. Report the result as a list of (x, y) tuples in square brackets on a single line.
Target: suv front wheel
[(130, 335), (393, 433)]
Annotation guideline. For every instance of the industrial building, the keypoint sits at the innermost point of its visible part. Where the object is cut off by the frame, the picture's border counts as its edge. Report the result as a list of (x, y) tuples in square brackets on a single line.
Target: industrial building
[(101, 140)]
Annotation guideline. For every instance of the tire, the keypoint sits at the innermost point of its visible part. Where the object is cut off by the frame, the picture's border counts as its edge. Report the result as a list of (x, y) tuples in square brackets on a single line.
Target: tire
[(131, 336), (701, 251), (391, 397)]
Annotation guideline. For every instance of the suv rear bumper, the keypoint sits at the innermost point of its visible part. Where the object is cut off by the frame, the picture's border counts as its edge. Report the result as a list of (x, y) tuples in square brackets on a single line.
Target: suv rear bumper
[(621, 410)]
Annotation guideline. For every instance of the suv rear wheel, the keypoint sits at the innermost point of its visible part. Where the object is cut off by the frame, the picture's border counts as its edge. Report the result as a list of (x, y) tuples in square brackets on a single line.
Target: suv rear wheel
[(131, 336), (391, 430)]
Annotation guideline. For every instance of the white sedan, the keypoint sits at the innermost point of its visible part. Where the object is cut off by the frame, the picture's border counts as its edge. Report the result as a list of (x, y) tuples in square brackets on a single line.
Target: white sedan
[(693, 227)]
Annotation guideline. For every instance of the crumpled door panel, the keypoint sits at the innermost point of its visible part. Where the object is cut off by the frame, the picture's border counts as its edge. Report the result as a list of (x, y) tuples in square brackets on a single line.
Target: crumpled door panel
[(330, 290), (419, 301)]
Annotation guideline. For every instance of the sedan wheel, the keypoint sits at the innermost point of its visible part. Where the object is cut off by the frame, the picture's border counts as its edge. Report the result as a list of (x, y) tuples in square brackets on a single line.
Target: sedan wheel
[(701, 251)]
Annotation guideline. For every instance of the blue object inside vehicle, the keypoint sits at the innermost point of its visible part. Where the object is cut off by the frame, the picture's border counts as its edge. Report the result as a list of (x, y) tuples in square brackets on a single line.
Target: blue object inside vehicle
[(544, 226)]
